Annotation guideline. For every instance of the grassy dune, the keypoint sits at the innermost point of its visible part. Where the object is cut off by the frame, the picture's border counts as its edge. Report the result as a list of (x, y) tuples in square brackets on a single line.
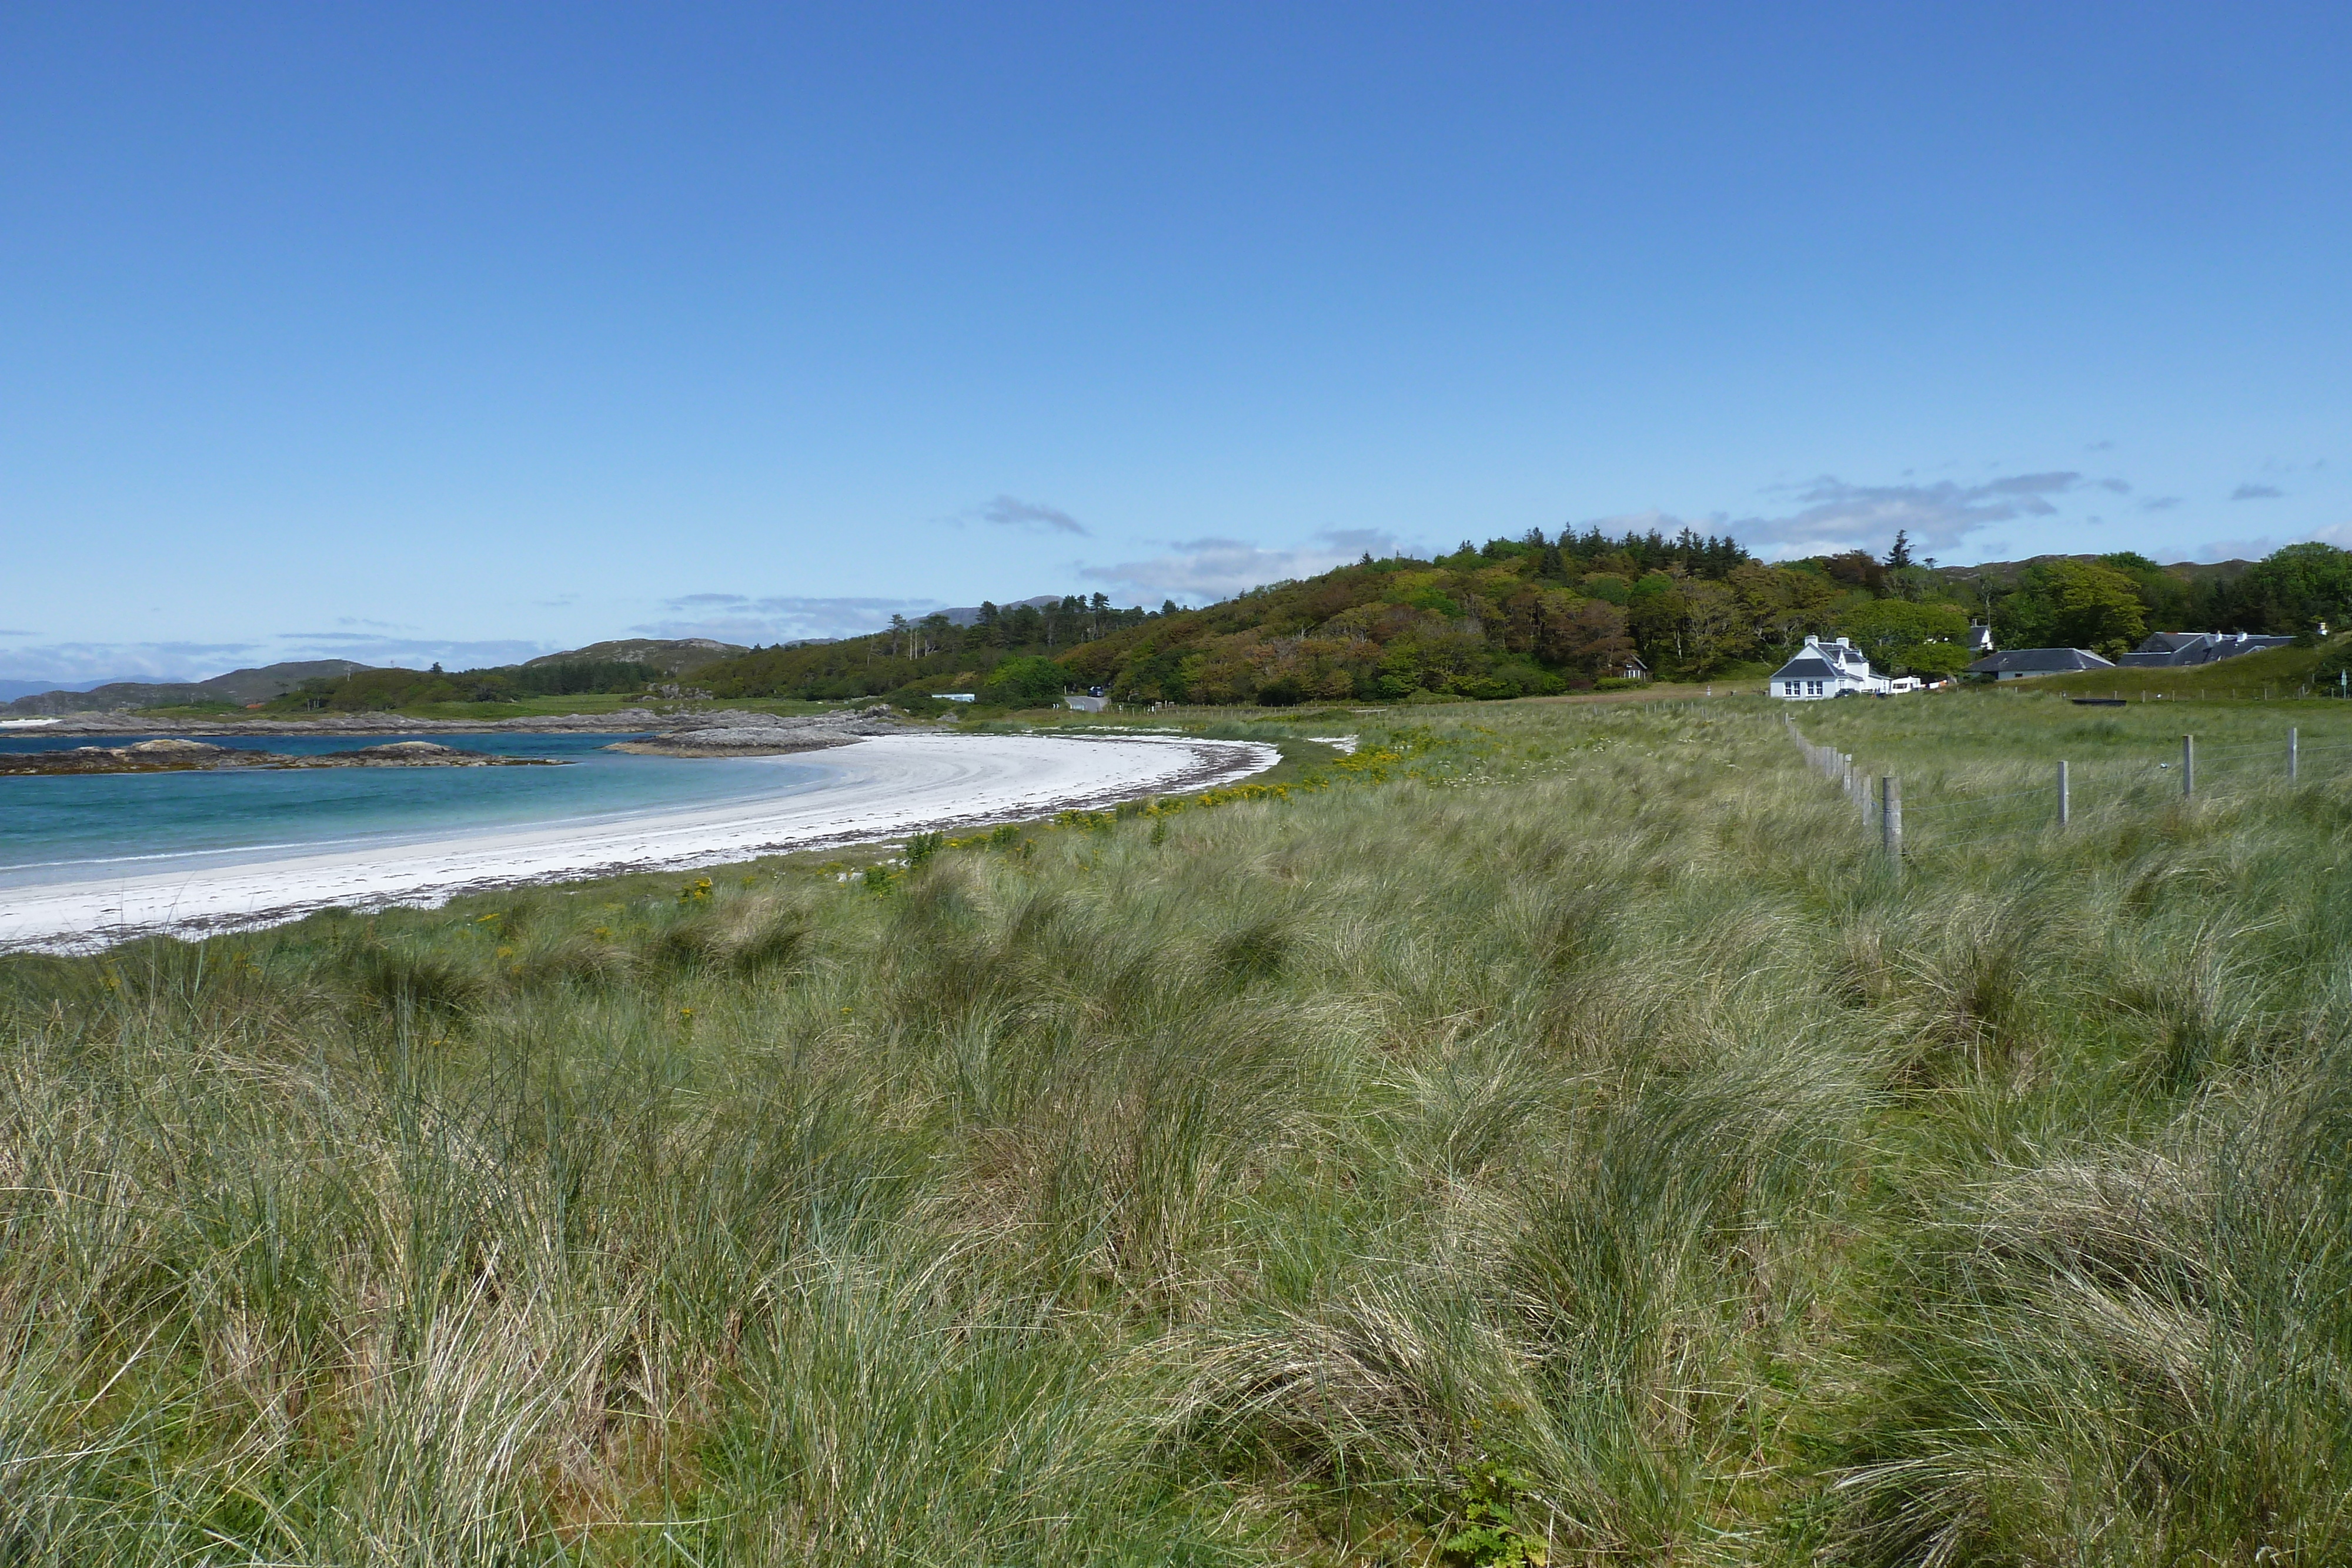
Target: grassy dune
[(1558, 1139)]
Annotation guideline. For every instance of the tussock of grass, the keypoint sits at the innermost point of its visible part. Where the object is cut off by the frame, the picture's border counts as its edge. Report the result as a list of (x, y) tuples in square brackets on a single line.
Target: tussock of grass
[(1561, 1132)]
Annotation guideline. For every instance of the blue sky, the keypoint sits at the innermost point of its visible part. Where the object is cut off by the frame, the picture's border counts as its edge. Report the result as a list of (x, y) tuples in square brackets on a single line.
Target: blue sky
[(468, 333)]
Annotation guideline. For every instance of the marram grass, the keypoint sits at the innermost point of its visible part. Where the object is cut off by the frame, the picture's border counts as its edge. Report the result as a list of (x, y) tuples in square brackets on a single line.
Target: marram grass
[(1563, 1143)]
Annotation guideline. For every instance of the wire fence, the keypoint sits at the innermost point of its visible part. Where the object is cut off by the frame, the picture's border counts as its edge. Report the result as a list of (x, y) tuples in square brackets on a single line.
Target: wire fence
[(2070, 794)]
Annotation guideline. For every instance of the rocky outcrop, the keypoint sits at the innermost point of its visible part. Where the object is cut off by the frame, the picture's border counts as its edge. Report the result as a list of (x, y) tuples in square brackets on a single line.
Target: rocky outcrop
[(418, 754), (738, 734), (177, 755), (729, 732), (623, 722)]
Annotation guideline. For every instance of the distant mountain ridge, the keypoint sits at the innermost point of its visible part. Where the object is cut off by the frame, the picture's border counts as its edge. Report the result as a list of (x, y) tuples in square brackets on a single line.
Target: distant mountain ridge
[(670, 655), (969, 614), (249, 685), (11, 690)]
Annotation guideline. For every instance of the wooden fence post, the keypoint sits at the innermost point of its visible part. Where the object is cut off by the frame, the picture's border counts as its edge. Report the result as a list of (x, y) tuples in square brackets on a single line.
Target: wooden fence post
[(1890, 819), (2294, 752), (2065, 797), (2188, 766)]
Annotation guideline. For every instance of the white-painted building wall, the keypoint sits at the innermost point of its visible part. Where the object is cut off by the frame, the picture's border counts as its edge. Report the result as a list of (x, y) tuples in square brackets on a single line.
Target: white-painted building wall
[(1823, 670)]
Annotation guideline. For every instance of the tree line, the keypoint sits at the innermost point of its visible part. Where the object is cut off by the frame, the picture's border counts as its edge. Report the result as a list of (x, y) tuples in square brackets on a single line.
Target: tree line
[(374, 690), (1514, 616)]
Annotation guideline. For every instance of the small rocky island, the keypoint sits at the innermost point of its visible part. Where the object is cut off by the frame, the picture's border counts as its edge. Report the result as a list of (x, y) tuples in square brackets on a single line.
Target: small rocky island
[(174, 756), (732, 732)]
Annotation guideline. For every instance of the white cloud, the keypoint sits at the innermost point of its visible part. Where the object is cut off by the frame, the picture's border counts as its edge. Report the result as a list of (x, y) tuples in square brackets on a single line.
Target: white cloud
[(1836, 515), (2255, 548), (739, 618), (76, 662), (1035, 516), (69, 663), (407, 652), (1212, 569), (1832, 515)]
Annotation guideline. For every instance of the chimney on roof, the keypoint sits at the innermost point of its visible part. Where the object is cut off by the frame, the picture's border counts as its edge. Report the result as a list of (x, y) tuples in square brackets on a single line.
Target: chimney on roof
[(1843, 644)]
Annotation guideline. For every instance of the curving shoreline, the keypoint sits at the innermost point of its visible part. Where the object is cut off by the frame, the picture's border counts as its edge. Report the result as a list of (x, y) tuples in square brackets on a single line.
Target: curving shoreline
[(887, 785)]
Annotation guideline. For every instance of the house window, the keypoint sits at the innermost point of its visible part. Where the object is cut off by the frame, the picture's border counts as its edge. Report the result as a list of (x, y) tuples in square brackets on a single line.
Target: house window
[(1813, 688)]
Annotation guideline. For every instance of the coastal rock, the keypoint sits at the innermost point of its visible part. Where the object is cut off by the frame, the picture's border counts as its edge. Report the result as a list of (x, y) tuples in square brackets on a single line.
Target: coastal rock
[(173, 754), (414, 754), (738, 734), (170, 745), (625, 721)]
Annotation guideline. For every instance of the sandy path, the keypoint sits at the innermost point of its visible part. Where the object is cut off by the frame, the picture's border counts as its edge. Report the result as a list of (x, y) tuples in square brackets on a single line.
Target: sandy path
[(885, 787)]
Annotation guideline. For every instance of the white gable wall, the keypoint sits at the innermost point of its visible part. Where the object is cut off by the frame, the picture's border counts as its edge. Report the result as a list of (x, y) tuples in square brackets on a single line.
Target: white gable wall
[(1825, 670)]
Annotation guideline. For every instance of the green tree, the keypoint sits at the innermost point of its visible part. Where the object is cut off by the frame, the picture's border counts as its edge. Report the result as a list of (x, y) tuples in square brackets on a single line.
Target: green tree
[(2072, 604), (2294, 590), (1934, 661), (1886, 630), (1025, 683), (1588, 634), (2166, 596)]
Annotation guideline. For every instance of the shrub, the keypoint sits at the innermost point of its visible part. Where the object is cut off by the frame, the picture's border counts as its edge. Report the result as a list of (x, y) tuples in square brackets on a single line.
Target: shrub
[(1025, 682)]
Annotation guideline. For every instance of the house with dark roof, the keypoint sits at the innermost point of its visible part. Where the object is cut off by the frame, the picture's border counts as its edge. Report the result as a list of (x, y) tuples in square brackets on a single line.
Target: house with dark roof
[(1825, 670), (1980, 640), (2019, 663), (2176, 649)]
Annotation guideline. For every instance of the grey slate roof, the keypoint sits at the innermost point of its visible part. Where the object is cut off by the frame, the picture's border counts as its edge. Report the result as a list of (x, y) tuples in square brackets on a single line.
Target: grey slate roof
[(2040, 662), (2172, 650), (1819, 658)]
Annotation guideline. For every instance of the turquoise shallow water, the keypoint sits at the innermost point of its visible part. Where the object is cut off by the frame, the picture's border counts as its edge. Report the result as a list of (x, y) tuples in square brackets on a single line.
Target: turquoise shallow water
[(113, 825)]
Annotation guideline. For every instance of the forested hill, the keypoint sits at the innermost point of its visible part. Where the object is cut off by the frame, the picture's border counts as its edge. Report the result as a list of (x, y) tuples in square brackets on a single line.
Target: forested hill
[(1539, 614), (1511, 617), (1532, 615), (1011, 646)]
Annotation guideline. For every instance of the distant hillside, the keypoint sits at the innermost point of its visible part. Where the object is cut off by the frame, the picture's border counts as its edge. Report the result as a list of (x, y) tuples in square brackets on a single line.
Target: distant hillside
[(671, 656), (238, 686), (11, 690), (1509, 618), (1538, 613)]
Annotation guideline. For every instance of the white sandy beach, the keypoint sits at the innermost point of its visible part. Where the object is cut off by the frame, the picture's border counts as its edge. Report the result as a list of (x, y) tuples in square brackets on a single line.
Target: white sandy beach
[(887, 787)]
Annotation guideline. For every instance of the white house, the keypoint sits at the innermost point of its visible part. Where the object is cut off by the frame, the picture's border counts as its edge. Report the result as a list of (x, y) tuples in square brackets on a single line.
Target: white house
[(1826, 670)]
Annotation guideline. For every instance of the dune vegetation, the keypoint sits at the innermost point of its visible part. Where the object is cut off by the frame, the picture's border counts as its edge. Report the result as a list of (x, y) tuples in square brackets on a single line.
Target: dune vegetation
[(1551, 1135)]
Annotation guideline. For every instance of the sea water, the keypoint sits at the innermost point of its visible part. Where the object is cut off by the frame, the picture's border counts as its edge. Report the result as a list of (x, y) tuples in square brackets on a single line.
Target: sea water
[(77, 827)]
